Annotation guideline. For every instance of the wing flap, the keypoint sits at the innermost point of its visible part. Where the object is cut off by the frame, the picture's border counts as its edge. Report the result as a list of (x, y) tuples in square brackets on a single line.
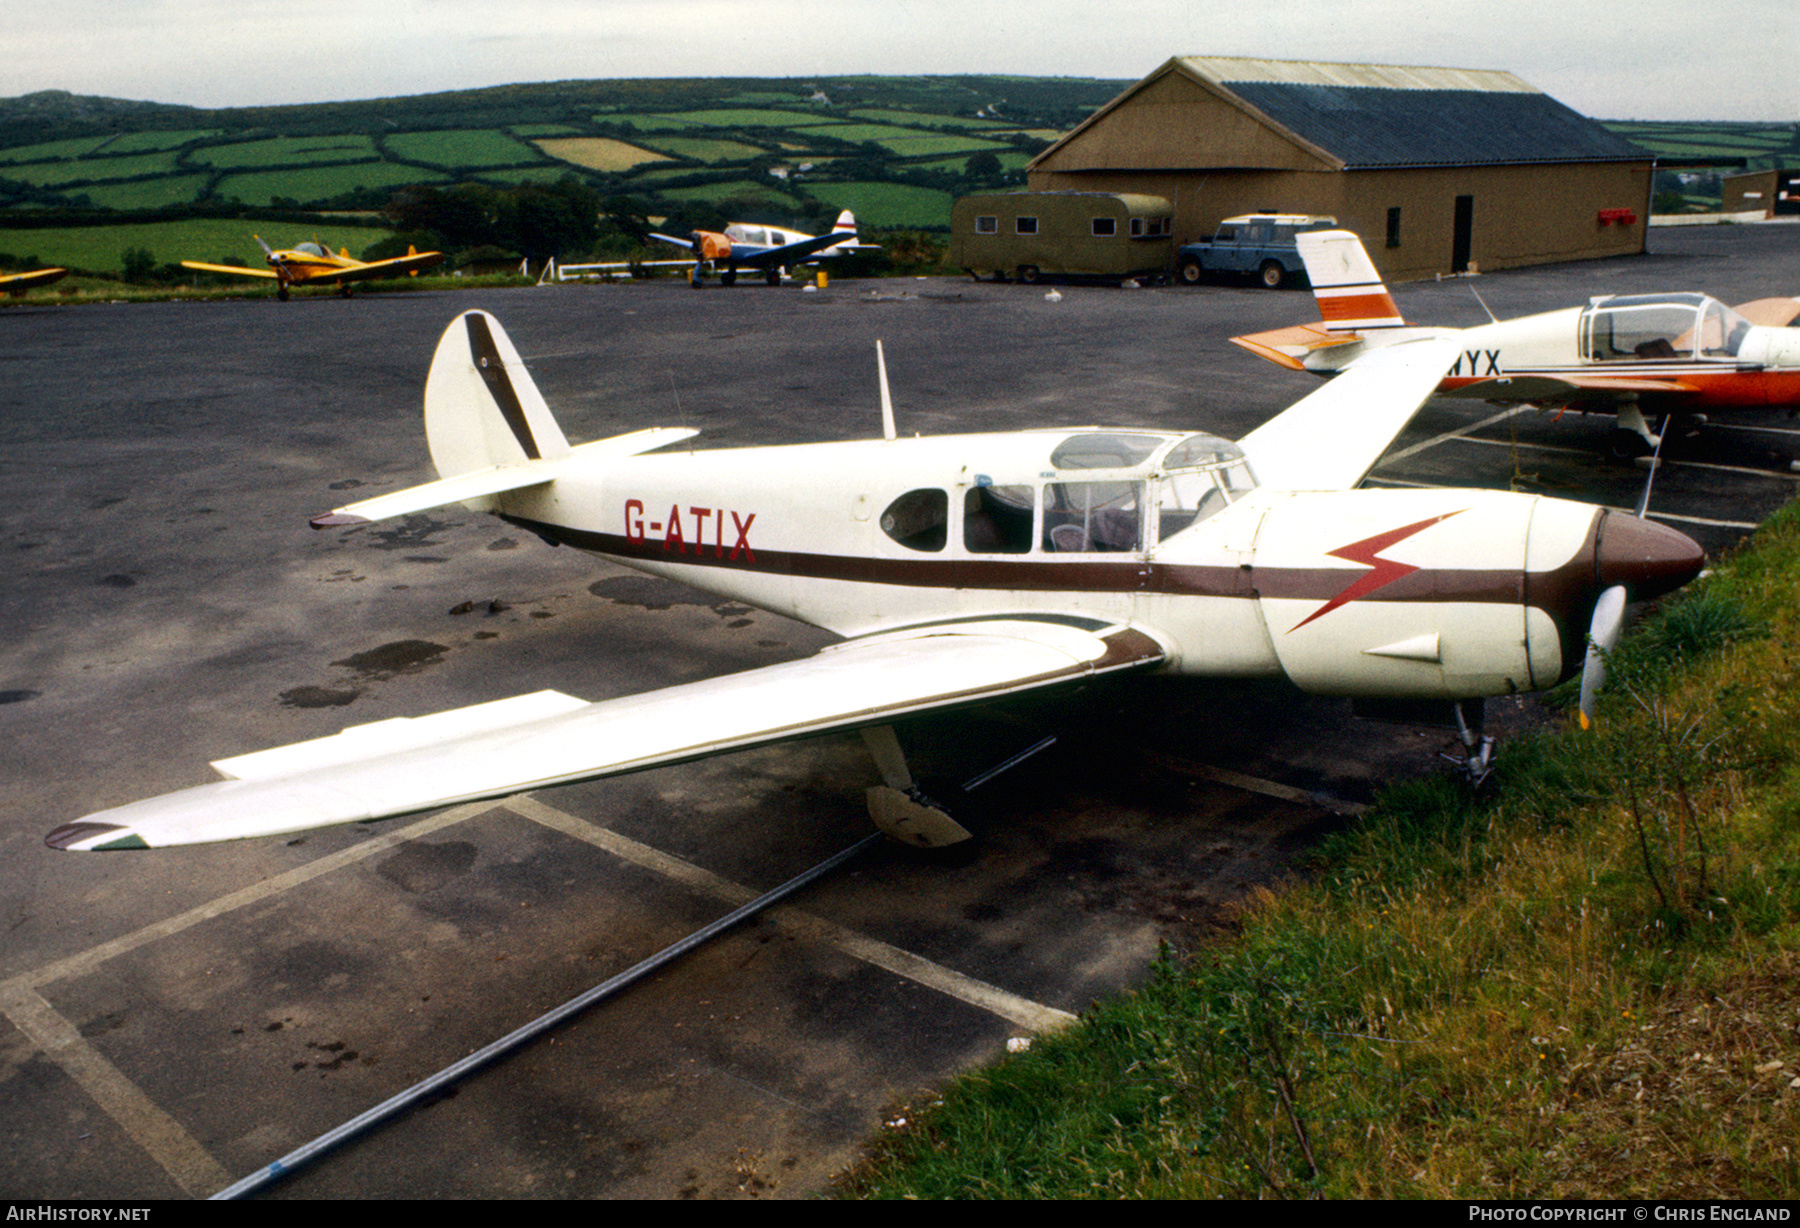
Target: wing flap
[(383, 268), (530, 742)]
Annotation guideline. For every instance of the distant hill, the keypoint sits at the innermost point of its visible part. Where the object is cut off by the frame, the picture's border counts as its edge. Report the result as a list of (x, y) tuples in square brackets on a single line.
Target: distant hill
[(896, 149)]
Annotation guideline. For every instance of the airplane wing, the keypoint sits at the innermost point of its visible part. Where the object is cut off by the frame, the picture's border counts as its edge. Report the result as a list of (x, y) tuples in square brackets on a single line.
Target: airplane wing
[(381, 268), (493, 750), (1332, 438), (684, 244), (1770, 312), (792, 252), (235, 270), (1557, 390), (14, 283)]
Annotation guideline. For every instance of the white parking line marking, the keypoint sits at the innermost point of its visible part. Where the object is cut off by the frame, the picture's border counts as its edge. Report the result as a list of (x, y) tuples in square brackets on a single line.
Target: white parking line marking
[(1009, 1006)]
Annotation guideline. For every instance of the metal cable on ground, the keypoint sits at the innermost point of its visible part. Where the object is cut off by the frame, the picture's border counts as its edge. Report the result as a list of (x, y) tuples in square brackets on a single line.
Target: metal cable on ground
[(450, 1074)]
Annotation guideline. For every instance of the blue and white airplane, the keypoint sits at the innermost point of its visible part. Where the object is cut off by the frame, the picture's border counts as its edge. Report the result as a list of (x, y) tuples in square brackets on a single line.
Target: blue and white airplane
[(748, 245)]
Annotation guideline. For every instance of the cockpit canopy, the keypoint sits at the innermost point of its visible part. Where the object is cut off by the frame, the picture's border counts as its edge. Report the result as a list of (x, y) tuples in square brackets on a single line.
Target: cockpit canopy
[(1106, 492), (309, 249), (1636, 327)]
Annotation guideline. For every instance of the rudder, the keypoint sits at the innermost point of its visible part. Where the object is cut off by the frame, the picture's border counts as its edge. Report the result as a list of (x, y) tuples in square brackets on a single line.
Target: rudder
[(1351, 295), (481, 407)]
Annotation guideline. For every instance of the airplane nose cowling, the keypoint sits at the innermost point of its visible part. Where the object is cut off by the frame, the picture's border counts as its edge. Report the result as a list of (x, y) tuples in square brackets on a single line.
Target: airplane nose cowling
[(1617, 550), (1647, 559)]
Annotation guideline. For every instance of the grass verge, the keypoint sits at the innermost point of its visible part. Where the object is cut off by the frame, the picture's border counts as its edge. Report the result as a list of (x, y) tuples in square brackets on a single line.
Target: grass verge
[(1585, 983)]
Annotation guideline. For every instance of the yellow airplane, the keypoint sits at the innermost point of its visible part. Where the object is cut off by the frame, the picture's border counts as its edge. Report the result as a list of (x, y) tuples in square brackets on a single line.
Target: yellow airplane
[(16, 284), (313, 262)]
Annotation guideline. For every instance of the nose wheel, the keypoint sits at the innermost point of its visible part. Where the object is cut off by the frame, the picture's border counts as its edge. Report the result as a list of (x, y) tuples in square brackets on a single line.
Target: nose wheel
[(1471, 750)]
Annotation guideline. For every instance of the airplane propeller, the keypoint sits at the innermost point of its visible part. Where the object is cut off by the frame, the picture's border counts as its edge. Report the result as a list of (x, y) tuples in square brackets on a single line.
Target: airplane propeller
[(1608, 622)]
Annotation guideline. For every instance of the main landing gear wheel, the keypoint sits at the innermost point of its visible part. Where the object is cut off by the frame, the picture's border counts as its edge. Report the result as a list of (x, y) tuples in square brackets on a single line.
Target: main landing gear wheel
[(728, 277), (773, 277), (281, 293)]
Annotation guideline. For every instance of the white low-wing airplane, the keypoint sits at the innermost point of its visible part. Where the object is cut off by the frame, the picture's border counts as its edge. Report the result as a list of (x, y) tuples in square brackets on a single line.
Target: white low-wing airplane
[(961, 569), (749, 245), (1681, 352)]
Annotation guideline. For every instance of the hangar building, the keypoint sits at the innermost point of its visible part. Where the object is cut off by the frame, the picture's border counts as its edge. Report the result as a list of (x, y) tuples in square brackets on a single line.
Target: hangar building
[(1440, 170)]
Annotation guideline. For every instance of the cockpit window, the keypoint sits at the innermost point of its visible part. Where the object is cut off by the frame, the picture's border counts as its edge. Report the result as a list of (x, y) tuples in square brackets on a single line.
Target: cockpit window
[(918, 519), (1202, 474), (1722, 331), (998, 519), (1105, 451), (1092, 517)]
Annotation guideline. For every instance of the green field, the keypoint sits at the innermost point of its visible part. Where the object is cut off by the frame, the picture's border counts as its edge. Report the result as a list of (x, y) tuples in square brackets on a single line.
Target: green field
[(52, 150), (320, 183), (133, 142), (54, 174), (700, 149), (281, 150), (889, 205), (464, 148), (748, 117), (935, 121), (1762, 146), (160, 193)]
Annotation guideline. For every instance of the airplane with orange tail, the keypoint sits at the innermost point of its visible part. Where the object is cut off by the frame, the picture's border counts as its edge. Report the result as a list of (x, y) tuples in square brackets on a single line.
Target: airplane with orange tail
[(314, 264), (1676, 354)]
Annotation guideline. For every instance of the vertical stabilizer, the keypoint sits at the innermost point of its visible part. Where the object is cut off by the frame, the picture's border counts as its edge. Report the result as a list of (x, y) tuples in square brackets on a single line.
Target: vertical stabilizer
[(481, 407), (1351, 295)]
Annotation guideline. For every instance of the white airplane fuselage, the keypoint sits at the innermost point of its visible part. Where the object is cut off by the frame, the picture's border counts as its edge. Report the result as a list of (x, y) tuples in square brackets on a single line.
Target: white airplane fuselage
[(1442, 593)]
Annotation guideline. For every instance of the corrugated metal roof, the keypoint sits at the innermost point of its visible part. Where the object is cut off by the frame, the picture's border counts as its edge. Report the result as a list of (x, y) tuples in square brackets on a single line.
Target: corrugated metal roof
[(1386, 115), (1370, 126), (1230, 70)]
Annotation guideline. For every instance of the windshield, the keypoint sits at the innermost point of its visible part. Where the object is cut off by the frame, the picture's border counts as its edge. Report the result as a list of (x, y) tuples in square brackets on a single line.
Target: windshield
[(1201, 475)]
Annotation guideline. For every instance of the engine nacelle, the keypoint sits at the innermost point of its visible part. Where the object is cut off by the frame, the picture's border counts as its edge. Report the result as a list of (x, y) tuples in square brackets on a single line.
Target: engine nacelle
[(1448, 594)]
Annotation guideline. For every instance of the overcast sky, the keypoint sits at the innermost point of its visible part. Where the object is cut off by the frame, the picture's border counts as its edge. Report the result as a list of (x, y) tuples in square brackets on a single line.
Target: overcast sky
[(1610, 59)]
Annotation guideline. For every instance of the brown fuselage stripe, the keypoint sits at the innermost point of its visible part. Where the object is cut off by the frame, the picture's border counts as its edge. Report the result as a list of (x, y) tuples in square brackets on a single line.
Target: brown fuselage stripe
[(1567, 590)]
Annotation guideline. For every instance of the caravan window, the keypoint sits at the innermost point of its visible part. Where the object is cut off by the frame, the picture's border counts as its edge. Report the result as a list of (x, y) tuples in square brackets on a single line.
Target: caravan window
[(1025, 226), (1105, 227), (987, 224)]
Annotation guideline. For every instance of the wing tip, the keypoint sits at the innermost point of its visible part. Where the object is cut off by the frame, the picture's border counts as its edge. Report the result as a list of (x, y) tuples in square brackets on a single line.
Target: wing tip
[(86, 836), (337, 520)]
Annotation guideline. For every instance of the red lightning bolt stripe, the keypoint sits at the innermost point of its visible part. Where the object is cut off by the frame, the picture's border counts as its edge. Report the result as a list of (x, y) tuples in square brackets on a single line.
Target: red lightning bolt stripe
[(1382, 572)]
